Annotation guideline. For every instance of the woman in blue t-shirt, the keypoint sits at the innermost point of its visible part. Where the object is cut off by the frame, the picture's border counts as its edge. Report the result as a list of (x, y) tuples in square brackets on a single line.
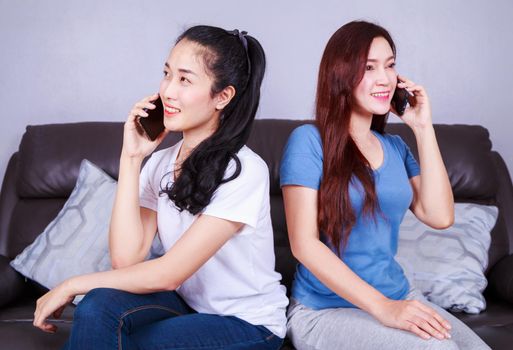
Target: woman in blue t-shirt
[(347, 186)]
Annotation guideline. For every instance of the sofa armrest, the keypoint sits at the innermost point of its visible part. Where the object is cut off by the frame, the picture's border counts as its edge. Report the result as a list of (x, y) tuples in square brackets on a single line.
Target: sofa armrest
[(505, 195), (11, 282), (500, 278), (8, 200)]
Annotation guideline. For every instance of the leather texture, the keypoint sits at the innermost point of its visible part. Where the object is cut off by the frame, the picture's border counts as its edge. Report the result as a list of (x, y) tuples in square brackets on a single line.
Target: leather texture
[(11, 283), (42, 174), (501, 278)]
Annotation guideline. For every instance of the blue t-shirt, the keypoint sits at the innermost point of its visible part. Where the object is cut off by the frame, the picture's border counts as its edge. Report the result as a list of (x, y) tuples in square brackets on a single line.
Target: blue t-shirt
[(372, 245)]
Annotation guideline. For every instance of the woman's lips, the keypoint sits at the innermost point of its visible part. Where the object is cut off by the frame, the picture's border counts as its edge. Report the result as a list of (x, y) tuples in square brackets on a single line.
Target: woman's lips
[(170, 110), (381, 96)]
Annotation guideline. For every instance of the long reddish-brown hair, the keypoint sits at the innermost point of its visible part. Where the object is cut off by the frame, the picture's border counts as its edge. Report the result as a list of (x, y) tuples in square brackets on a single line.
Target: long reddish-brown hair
[(341, 70)]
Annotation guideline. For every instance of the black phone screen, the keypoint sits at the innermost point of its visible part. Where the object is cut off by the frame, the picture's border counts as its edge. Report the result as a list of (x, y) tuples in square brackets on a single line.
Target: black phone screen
[(153, 124)]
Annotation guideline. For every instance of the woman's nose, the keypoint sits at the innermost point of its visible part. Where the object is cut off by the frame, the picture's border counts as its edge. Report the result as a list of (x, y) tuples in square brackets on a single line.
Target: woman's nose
[(169, 90), (383, 78)]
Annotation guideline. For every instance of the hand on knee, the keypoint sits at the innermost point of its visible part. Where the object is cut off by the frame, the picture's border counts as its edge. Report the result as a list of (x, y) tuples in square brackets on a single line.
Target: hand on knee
[(413, 316)]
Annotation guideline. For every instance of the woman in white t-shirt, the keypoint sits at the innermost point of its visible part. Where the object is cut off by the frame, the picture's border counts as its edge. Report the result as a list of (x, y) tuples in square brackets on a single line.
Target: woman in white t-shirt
[(208, 199)]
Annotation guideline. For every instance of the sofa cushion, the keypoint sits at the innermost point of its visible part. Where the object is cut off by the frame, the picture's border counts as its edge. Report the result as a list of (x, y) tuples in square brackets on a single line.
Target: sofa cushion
[(447, 266), (22, 231), (76, 242)]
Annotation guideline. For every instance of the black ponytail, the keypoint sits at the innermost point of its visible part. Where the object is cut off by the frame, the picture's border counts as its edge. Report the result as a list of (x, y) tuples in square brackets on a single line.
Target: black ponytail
[(231, 58)]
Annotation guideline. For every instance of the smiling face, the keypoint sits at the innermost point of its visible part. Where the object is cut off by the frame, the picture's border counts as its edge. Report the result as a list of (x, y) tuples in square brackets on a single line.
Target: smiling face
[(374, 92), (186, 94)]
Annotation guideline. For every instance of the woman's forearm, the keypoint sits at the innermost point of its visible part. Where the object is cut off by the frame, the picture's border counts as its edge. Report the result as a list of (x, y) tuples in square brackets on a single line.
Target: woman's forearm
[(126, 229), (435, 193), (338, 277), (142, 278)]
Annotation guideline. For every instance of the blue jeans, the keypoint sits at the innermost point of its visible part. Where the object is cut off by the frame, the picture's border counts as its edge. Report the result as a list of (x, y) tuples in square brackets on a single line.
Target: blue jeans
[(113, 319)]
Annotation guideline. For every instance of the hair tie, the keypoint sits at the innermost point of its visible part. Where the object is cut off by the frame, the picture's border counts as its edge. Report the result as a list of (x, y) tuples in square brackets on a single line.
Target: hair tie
[(242, 37)]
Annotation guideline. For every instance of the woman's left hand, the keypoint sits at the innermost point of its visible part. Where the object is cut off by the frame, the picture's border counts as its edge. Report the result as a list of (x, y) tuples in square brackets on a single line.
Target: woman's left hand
[(52, 304), (418, 113)]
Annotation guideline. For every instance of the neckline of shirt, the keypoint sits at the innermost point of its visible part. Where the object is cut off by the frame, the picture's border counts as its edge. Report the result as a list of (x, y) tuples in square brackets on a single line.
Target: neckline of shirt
[(385, 152)]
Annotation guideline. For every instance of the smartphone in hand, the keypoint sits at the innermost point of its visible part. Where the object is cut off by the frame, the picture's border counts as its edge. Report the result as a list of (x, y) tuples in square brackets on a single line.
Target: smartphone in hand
[(400, 100), (153, 124)]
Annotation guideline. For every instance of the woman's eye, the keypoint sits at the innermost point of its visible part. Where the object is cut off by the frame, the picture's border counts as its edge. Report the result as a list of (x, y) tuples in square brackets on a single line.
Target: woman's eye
[(369, 67), (184, 80), (166, 74), (391, 65)]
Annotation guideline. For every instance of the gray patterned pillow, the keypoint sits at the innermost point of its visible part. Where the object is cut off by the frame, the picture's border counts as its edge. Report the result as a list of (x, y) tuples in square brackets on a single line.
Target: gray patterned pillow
[(76, 241), (447, 265)]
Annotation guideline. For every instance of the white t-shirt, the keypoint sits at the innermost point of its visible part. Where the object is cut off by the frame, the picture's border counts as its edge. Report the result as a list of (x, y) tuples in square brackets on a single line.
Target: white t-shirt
[(240, 279)]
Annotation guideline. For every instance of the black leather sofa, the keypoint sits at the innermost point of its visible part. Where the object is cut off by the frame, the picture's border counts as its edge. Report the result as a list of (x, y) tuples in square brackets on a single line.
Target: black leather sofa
[(41, 175)]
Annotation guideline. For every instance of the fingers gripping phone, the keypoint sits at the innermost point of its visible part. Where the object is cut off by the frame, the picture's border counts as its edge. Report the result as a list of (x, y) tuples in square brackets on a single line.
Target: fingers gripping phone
[(153, 124), (400, 99)]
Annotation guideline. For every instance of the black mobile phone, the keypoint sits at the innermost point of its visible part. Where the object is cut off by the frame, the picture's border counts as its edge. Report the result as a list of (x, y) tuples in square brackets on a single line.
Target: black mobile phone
[(153, 124), (400, 100)]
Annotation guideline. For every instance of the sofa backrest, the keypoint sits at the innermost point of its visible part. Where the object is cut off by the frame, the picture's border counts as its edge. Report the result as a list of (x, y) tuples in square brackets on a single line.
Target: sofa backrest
[(42, 174)]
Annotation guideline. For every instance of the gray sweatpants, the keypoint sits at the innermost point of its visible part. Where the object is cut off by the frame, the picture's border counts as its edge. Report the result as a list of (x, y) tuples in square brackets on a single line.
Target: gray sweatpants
[(352, 328)]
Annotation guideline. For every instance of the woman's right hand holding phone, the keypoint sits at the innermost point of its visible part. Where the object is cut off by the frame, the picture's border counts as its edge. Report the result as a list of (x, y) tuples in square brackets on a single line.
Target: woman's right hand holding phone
[(136, 143), (413, 316)]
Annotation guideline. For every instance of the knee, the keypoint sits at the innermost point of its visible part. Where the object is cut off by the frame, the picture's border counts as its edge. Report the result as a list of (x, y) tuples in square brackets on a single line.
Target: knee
[(446, 344), (95, 304), (450, 345)]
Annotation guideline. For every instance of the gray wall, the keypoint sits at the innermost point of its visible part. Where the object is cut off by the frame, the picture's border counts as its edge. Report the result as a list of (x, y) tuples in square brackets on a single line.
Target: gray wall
[(69, 61)]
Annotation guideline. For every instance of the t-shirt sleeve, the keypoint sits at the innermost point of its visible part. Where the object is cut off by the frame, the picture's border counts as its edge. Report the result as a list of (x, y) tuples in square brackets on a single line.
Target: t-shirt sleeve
[(241, 199), (148, 189), (410, 163), (301, 163)]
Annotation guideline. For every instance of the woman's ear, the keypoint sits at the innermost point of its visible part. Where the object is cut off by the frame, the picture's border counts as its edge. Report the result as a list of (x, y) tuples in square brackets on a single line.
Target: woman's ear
[(224, 97)]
